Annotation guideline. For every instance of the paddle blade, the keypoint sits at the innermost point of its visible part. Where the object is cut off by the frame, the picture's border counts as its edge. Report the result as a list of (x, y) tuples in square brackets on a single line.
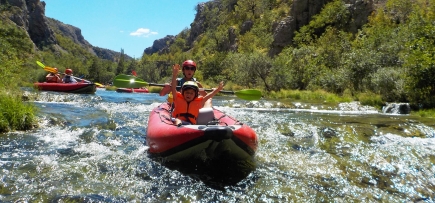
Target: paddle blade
[(50, 69), (40, 64), (248, 94), (128, 81)]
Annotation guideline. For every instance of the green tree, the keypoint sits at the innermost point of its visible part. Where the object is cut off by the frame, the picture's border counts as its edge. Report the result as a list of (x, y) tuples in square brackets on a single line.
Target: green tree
[(96, 70), (212, 67), (121, 64), (248, 70), (132, 66)]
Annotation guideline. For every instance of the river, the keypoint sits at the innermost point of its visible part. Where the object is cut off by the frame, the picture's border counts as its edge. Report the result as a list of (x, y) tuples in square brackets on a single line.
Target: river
[(91, 148)]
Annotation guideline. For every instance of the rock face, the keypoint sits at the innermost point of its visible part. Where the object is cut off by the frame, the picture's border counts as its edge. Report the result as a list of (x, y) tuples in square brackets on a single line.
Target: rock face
[(360, 10), (282, 35), (30, 14), (232, 40), (246, 26), (302, 12), (160, 45), (69, 31), (396, 108), (197, 27)]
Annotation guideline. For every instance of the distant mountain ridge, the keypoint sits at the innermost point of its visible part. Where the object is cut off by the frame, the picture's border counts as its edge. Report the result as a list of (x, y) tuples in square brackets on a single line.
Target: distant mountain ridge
[(30, 15), (75, 34)]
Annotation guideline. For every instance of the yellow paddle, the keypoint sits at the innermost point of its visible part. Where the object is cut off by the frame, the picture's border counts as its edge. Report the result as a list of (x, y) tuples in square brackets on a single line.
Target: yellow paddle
[(53, 70)]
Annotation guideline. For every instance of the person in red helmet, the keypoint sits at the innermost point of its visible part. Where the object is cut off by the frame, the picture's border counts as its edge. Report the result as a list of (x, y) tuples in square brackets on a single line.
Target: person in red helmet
[(53, 77), (68, 77), (188, 67), (188, 102)]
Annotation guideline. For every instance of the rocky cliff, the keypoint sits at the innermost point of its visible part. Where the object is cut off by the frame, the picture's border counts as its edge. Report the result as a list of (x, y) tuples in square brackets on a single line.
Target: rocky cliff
[(75, 34), (160, 45), (301, 12), (30, 15)]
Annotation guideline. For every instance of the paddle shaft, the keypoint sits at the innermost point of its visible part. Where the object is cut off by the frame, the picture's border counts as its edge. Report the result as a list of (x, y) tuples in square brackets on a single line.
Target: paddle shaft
[(77, 78), (52, 70), (200, 89), (81, 79), (128, 81)]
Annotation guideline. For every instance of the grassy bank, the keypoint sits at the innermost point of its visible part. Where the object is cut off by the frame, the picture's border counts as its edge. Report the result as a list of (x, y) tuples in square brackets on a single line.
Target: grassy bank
[(368, 99), (16, 114), (427, 113)]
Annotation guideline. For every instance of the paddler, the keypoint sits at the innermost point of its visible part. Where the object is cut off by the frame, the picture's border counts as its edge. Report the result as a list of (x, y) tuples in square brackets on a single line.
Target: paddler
[(189, 69), (68, 76), (188, 102), (53, 77)]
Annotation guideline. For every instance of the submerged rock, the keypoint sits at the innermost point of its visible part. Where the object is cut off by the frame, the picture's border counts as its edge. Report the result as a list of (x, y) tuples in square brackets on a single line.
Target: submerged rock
[(397, 108)]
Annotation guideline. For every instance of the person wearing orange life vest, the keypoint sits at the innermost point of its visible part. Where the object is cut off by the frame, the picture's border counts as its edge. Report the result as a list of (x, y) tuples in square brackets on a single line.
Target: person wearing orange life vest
[(68, 77), (188, 102), (189, 69), (53, 77)]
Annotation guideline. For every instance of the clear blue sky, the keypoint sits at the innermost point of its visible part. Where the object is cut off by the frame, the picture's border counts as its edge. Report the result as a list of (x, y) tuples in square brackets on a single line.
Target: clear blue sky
[(132, 25)]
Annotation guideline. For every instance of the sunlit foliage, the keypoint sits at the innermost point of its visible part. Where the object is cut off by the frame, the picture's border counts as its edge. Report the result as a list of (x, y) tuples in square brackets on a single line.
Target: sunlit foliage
[(391, 56)]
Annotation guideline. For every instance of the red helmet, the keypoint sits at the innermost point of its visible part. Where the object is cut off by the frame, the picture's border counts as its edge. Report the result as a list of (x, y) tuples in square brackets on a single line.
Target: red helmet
[(189, 63), (68, 71)]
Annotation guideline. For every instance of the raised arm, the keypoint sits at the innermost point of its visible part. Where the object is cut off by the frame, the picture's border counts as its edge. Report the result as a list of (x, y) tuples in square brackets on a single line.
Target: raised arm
[(214, 92), (175, 70)]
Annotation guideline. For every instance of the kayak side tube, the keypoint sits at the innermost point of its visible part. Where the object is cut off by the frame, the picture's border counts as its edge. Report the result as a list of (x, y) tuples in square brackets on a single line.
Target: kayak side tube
[(226, 137)]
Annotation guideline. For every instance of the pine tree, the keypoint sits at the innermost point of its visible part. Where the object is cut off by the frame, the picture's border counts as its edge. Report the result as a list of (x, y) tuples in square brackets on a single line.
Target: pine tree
[(121, 63)]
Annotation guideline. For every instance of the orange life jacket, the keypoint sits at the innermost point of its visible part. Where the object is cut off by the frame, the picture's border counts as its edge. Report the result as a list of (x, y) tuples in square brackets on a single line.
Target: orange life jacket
[(52, 78), (187, 111)]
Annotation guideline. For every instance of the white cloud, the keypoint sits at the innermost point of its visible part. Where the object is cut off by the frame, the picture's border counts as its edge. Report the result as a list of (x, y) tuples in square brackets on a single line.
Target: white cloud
[(143, 32)]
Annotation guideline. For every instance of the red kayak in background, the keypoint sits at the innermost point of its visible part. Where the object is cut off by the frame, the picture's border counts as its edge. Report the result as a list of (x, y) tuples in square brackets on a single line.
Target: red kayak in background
[(84, 88), (216, 136), (133, 90)]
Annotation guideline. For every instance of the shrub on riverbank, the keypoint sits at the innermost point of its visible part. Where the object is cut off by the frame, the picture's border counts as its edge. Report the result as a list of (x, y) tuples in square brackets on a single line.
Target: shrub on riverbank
[(318, 95), (154, 89), (15, 114), (371, 99), (16, 55), (111, 88), (427, 113)]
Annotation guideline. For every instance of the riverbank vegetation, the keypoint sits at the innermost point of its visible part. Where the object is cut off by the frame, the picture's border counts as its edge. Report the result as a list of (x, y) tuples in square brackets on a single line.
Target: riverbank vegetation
[(16, 114), (16, 49), (390, 59)]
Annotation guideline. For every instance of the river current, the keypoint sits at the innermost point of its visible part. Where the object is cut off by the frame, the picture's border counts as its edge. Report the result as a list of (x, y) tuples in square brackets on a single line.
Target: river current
[(92, 148)]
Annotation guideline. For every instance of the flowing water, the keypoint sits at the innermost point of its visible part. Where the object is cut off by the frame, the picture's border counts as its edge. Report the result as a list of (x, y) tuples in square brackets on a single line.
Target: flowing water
[(91, 148)]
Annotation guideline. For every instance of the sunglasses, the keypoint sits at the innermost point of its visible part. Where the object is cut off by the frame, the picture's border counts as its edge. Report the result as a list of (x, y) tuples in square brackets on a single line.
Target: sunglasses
[(189, 68)]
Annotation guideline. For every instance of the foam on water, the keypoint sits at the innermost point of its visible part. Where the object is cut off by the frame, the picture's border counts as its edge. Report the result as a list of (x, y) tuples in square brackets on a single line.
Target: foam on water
[(92, 147)]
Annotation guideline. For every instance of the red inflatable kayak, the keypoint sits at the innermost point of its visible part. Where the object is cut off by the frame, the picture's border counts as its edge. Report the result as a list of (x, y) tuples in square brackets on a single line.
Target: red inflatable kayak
[(132, 90), (215, 136), (85, 88)]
